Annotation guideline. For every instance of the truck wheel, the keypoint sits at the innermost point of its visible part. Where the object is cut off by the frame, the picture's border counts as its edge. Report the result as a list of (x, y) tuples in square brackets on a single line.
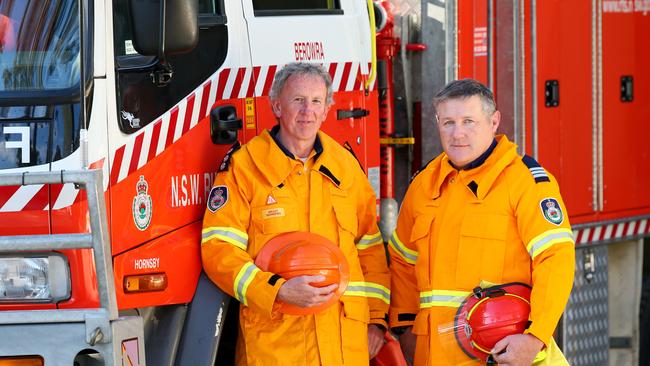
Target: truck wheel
[(644, 323)]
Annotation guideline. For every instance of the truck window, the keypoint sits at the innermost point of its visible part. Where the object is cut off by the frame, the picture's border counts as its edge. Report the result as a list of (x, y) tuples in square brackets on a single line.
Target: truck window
[(39, 46), (139, 101), (296, 7)]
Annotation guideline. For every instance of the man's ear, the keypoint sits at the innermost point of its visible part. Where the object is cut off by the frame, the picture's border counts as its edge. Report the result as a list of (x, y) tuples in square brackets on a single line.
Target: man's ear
[(495, 120), (275, 106)]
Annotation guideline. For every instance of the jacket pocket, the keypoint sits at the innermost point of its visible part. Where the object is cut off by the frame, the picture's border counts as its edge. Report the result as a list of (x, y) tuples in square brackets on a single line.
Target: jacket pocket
[(420, 238), (346, 216), (481, 250), (355, 316), (269, 221), (421, 228), (345, 210)]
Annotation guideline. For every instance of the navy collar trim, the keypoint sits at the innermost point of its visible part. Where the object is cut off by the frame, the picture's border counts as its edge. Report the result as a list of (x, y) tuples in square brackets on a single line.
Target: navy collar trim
[(480, 160), (318, 146)]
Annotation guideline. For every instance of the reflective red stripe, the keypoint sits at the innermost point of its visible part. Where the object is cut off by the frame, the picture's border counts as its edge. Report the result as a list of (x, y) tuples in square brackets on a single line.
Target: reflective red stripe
[(117, 163), (346, 75), (269, 80), (204, 100), (223, 78), (240, 78), (40, 199), (172, 127), (253, 81), (153, 145), (6, 192), (135, 155), (189, 109)]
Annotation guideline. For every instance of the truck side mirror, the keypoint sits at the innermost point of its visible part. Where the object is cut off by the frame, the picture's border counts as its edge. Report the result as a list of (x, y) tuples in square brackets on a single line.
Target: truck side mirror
[(181, 26)]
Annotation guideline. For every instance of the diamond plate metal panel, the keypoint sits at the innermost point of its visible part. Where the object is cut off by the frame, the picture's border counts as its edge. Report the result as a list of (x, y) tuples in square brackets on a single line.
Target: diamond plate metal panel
[(585, 322)]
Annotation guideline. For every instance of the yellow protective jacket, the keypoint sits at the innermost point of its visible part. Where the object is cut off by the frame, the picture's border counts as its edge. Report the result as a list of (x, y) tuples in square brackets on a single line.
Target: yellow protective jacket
[(501, 221), (262, 191)]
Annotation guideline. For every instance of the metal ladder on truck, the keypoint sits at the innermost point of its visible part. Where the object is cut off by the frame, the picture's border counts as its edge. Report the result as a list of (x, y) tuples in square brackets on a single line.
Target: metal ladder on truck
[(59, 335)]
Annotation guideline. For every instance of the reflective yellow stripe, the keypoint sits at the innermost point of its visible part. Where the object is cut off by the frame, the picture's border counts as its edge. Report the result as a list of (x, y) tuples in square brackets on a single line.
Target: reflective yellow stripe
[(231, 235), (368, 289), (547, 239), (410, 256), (243, 279), (447, 298), (369, 240)]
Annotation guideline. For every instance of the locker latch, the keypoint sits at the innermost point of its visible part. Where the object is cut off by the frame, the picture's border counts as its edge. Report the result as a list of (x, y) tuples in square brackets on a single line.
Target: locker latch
[(627, 88), (552, 93)]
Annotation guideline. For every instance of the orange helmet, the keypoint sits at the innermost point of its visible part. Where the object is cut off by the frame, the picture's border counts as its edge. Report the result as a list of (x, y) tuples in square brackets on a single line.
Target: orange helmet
[(305, 254), (489, 315)]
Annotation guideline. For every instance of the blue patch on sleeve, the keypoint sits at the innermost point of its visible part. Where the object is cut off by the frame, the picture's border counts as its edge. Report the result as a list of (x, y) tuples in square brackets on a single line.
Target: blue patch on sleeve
[(552, 211), (218, 198)]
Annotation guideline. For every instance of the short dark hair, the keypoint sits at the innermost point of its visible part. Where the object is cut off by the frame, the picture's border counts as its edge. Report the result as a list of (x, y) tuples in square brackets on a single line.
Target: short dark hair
[(300, 68), (466, 88)]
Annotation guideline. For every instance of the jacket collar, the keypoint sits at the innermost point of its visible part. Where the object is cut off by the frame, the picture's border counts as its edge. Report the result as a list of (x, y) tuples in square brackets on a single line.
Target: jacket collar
[(318, 146), (276, 162), (480, 160), (484, 175)]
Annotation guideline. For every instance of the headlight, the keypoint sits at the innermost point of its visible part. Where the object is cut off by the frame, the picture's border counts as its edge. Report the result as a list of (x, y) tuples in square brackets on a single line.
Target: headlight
[(34, 278)]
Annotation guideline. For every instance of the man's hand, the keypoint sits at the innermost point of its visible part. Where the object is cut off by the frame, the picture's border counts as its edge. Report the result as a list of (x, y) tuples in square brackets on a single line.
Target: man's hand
[(517, 350), (299, 291), (407, 343), (375, 340)]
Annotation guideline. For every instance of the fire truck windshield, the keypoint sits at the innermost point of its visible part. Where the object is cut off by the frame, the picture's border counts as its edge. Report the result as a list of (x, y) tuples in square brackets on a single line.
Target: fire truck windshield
[(39, 45)]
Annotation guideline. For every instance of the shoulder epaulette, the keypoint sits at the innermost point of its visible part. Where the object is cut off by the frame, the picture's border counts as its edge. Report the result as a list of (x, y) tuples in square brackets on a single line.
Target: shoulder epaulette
[(348, 147), (225, 163), (536, 170), (421, 169)]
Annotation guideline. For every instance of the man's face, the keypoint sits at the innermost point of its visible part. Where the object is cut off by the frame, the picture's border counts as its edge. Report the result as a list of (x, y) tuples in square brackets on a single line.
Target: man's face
[(466, 131), (301, 107)]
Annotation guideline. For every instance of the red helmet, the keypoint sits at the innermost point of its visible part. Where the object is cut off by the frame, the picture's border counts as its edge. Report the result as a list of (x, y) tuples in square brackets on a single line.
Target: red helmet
[(305, 254), (489, 315)]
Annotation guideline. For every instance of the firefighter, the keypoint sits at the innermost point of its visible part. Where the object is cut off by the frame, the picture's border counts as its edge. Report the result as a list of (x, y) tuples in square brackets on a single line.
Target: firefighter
[(295, 178), (478, 213)]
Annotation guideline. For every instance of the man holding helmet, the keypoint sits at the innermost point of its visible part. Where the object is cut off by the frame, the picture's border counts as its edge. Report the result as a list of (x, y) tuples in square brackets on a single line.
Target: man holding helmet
[(295, 178), (479, 215)]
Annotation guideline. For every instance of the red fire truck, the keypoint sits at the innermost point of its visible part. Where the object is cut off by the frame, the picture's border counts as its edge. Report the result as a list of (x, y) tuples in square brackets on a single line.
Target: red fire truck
[(114, 117)]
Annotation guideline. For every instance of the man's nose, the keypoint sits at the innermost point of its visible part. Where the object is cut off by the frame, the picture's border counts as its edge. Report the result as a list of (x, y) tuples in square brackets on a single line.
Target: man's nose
[(458, 131), (308, 107)]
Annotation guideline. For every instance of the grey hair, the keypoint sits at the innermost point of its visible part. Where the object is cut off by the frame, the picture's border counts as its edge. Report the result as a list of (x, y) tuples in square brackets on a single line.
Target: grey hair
[(300, 68), (466, 88)]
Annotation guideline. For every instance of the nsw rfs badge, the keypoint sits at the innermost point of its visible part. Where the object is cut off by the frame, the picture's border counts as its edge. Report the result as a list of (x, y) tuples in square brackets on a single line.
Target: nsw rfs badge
[(552, 211), (218, 197), (142, 206)]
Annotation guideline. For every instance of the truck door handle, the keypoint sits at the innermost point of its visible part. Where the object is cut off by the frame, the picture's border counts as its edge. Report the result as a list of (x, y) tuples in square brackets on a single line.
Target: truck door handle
[(351, 113), (224, 125)]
